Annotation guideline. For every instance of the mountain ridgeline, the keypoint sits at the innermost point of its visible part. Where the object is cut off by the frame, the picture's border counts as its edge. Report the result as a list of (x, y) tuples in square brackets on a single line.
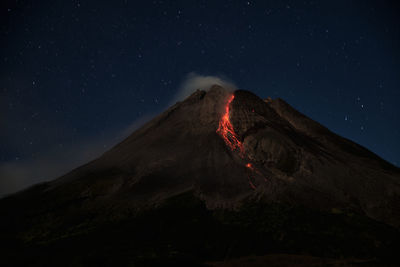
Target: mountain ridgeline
[(213, 180)]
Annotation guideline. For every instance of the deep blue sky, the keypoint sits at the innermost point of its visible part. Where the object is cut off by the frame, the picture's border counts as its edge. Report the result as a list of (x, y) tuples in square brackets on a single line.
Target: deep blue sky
[(76, 75)]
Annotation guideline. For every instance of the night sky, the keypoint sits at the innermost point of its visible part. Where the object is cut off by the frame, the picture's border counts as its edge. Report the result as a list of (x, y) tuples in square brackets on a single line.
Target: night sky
[(78, 76)]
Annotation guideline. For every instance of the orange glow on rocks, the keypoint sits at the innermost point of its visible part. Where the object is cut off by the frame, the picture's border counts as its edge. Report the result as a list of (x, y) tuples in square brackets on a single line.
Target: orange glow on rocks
[(225, 129), (249, 177)]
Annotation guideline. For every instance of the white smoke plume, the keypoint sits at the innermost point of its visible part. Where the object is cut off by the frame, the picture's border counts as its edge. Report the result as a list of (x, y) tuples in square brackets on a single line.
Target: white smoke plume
[(52, 162), (194, 81)]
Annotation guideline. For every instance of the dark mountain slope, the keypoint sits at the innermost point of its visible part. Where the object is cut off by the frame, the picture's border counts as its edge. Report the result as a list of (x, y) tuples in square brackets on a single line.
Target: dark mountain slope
[(219, 175)]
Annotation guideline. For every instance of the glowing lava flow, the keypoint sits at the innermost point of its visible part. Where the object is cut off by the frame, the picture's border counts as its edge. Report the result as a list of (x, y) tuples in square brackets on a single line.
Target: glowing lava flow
[(227, 132), (225, 129), (250, 166)]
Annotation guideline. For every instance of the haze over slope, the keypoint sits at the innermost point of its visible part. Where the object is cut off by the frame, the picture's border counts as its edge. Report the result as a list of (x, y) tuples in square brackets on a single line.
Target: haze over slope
[(225, 149), (293, 158)]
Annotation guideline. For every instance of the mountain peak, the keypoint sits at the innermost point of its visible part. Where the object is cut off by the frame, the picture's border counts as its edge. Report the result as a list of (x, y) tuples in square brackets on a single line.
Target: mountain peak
[(267, 150), (225, 149)]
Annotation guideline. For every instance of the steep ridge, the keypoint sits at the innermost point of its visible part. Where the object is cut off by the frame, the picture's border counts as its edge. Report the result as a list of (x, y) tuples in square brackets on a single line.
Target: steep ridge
[(277, 154), (232, 152), (314, 166)]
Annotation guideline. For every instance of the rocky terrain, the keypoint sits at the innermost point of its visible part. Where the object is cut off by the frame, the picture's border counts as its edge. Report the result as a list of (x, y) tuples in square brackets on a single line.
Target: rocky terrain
[(219, 177)]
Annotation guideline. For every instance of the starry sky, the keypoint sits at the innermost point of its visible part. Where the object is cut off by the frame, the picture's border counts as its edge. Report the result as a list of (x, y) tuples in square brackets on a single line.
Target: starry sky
[(78, 76)]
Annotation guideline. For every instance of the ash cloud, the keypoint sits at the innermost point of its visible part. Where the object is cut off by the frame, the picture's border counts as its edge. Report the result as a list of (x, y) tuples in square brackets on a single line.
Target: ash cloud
[(50, 164), (54, 162), (194, 81)]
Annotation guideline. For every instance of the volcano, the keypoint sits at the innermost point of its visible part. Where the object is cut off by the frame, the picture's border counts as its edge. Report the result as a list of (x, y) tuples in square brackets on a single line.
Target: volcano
[(222, 178)]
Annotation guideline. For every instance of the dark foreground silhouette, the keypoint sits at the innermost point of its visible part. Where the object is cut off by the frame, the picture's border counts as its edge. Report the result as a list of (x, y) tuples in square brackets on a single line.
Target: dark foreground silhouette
[(220, 179)]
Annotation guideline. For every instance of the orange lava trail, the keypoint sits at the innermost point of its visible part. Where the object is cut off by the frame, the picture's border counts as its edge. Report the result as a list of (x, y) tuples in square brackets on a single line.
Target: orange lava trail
[(227, 132), (250, 166)]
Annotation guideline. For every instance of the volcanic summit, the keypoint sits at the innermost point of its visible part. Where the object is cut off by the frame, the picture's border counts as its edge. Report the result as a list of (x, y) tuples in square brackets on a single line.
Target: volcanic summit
[(215, 178)]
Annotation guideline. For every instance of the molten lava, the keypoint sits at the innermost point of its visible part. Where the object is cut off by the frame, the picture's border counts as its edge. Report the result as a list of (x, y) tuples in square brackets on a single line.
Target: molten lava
[(225, 129), (227, 132), (251, 168)]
